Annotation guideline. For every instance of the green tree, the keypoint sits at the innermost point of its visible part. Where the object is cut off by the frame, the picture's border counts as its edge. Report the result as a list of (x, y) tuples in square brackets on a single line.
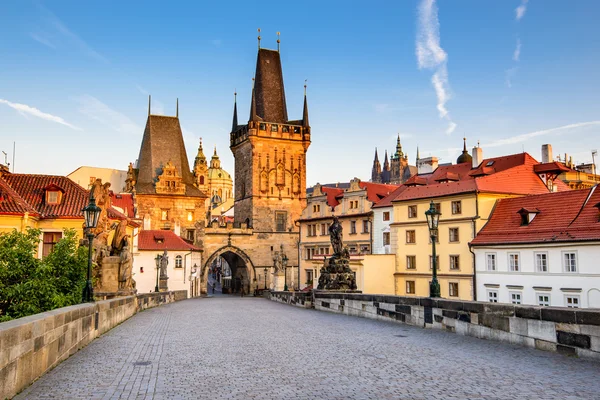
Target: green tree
[(29, 285)]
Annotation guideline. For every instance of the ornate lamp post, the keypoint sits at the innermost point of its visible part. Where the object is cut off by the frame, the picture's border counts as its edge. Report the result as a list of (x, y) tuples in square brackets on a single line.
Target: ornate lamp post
[(284, 261), (91, 213), (157, 260), (265, 271), (433, 218)]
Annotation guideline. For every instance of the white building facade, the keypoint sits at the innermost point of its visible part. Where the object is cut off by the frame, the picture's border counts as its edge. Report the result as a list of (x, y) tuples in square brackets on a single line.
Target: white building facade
[(560, 275)]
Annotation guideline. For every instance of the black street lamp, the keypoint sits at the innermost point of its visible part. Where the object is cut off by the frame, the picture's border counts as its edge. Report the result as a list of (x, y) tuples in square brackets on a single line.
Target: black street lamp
[(433, 218), (91, 213), (157, 260), (265, 271), (284, 261)]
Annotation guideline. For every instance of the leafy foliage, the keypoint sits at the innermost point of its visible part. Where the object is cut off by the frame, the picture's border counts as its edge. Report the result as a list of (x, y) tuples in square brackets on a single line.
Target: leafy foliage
[(29, 285)]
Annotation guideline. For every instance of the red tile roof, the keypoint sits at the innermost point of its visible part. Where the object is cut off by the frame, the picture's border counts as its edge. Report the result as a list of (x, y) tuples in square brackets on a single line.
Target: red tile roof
[(513, 174), (125, 202), (569, 216), (27, 193), (333, 195), (377, 191), (163, 240), (387, 200)]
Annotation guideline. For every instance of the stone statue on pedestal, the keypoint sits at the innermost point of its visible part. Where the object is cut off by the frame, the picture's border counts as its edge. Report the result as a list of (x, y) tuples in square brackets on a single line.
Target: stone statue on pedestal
[(336, 273)]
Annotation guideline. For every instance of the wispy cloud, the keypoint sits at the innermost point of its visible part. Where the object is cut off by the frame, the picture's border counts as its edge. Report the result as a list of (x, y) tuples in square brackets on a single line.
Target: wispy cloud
[(98, 111), (509, 75), (26, 110), (142, 90), (520, 11), (42, 39), (69, 36), (517, 52), (430, 55), (526, 136)]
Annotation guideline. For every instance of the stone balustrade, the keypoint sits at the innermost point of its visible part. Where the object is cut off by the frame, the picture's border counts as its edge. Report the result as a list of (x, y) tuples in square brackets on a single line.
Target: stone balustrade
[(33, 345), (570, 331)]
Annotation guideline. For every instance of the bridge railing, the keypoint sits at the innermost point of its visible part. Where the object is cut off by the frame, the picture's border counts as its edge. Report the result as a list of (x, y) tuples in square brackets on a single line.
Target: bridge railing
[(32, 345), (569, 331)]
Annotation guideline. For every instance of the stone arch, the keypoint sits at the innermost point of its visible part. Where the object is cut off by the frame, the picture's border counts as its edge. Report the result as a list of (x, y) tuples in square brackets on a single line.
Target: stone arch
[(221, 252)]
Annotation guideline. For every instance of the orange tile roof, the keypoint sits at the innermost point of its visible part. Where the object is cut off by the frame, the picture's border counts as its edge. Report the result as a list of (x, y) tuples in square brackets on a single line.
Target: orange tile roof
[(125, 202), (333, 195), (387, 200), (569, 216), (512, 174), (159, 240), (377, 191)]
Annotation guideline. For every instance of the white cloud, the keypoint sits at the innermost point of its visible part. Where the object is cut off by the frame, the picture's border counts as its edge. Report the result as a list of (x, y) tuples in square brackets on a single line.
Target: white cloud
[(520, 11), (526, 136), (509, 75), (430, 55), (517, 52), (42, 39), (25, 110), (98, 111)]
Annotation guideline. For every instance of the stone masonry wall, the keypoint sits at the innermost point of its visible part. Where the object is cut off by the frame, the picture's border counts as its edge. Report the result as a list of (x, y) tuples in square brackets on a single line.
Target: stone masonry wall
[(569, 331), (31, 346)]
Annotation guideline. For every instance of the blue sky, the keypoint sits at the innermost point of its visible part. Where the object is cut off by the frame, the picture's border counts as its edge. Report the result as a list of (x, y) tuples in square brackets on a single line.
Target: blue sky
[(512, 74)]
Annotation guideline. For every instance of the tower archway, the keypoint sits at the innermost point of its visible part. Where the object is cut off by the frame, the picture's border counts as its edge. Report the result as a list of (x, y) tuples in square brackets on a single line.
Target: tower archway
[(238, 269)]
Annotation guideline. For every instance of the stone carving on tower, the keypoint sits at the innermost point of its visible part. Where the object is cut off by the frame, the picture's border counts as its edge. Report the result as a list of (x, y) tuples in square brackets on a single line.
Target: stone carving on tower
[(169, 182)]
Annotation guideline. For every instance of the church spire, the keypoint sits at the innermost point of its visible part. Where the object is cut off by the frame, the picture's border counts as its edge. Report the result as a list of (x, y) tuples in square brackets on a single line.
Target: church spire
[(234, 124), (386, 163), (399, 153), (376, 171), (305, 111), (253, 104), (417, 156)]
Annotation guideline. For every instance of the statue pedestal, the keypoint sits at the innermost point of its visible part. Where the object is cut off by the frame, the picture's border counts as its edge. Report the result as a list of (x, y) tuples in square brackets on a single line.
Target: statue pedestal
[(108, 275), (337, 275), (162, 284), (278, 281)]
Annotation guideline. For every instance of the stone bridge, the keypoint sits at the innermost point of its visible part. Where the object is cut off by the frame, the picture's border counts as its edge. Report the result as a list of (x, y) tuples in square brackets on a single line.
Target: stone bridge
[(251, 348)]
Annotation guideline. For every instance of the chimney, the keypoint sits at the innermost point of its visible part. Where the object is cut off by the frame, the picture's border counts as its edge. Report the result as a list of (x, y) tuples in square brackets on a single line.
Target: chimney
[(427, 165), (547, 153), (477, 156)]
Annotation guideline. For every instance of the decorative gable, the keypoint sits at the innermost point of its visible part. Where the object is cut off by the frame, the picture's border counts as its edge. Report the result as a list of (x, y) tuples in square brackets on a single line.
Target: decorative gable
[(170, 182)]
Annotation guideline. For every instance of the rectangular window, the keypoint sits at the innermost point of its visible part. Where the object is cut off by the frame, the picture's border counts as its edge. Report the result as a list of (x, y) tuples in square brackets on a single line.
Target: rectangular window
[(323, 229), (52, 197), (492, 296), (49, 241), (437, 262), (411, 236), (543, 299), (453, 234), (316, 208), (190, 215), (541, 262), (570, 262), (411, 262), (365, 226), (513, 262), (190, 235), (164, 215), (365, 249), (456, 207), (386, 215), (386, 238), (412, 211), (274, 128), (515, 297), (178, 262), (281, 221), (352, 227), (438, 207), (309, 277), (572, 301), (410, 287), (453, 289), (454, 262), (490, 261)]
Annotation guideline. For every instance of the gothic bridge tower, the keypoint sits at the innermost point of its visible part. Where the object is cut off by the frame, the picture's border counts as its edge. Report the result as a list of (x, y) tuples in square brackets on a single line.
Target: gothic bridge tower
[(270, 154)]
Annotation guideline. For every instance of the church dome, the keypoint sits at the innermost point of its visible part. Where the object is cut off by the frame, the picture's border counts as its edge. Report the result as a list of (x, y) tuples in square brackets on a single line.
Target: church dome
[(218, 173), (465, 156)]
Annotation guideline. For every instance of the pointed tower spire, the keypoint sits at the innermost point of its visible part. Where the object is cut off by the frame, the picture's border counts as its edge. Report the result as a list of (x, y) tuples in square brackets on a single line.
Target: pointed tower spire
[(253, 104), (465, 156), (234, 124), (149, 103), (418, 155), (399, 153), (278, 41), (305, 112), (177, 108), (376, 171), (259, 38)]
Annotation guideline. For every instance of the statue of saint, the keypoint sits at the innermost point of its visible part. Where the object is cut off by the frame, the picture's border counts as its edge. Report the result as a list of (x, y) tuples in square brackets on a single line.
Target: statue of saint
[(164, 261), (120, 237), (335, 234), (125, 266)]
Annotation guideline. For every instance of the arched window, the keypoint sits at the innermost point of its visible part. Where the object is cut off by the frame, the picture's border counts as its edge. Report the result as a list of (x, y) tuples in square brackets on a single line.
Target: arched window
[(202, 180), (178, 262)]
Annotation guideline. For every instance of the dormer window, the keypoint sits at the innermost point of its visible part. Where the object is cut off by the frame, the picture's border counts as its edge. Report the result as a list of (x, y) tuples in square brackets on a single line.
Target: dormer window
[(490, 163), (53, 195), (598, 214), (527, 215)]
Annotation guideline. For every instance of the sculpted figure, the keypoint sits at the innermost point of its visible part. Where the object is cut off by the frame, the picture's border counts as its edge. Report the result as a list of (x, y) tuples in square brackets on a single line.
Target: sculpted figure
[(335, 234), (164, 261), (125, 266), (120, 237)]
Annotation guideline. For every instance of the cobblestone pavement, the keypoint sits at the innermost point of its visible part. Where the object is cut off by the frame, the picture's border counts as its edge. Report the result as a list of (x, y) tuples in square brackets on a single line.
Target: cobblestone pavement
[(252, 348)]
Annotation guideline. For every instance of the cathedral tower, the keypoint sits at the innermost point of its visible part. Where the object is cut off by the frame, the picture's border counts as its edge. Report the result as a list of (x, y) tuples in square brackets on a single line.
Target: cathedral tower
[(376, 170), (270, 154)]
